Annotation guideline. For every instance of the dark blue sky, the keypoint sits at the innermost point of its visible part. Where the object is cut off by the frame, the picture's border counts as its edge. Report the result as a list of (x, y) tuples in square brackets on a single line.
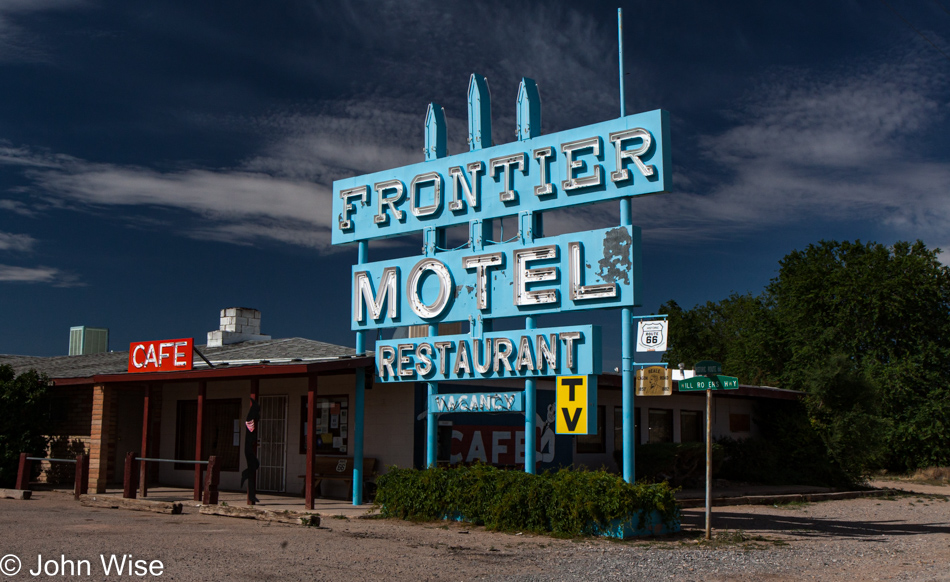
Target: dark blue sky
[(162, 160)]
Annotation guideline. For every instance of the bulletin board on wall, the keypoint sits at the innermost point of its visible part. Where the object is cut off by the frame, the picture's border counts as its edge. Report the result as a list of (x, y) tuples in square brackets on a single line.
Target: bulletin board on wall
[(332, 416)]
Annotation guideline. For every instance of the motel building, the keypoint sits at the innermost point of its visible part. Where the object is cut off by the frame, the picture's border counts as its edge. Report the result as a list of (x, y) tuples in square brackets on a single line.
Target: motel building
[(193, 414)]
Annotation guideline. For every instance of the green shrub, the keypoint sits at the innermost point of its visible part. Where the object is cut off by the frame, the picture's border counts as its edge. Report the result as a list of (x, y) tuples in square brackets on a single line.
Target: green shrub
[(565, 502), (680, 464), (25, 420)]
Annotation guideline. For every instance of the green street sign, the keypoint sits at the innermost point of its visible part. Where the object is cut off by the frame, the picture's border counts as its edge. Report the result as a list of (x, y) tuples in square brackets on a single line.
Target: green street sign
[(703, 383), (707, 368)]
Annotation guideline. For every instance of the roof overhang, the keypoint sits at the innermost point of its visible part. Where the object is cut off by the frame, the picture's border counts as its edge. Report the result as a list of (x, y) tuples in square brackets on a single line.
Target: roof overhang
[(326, 368)]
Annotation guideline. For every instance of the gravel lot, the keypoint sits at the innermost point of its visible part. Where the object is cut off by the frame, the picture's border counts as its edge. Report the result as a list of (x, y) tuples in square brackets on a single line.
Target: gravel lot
[(902, 538)]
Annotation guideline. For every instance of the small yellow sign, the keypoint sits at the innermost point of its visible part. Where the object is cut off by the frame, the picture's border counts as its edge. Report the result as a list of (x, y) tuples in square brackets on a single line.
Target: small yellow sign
[(654, 381), (576, 401)]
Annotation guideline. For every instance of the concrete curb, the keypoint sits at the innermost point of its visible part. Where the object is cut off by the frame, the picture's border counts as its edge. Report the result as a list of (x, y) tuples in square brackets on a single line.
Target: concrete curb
[(15, 493), (783, 499), (289, 517), (113, 502)]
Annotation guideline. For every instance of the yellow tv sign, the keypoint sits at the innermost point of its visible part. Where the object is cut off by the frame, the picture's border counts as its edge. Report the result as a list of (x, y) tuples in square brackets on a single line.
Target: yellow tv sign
[(576, 403)]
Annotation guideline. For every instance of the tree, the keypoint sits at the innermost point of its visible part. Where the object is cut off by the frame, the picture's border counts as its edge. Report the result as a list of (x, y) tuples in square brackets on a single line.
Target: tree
[(863, 329), (25, 419), (739, 332), (887, 310)]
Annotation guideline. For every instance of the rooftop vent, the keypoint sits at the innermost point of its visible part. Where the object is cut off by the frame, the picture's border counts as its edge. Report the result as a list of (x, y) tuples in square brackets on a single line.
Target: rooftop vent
[(88, 340), (238, 324)]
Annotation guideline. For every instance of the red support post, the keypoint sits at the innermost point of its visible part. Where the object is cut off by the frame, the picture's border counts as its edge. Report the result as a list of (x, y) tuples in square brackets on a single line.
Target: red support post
[(143, 475), (212, 480), (202, 386), (129, 484), (311, 438), (82, 475), (255, 396), (23, 472)]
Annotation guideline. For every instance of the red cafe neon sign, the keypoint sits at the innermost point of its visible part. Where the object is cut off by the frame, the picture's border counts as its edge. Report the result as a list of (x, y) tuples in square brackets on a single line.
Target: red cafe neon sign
[(161, 355)]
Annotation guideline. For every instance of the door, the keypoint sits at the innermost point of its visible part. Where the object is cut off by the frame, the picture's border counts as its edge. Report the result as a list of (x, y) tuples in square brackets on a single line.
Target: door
[(272, 444)]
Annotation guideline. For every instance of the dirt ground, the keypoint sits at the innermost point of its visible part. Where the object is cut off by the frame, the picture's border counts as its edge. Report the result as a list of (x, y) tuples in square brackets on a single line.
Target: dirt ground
[(905, 537)]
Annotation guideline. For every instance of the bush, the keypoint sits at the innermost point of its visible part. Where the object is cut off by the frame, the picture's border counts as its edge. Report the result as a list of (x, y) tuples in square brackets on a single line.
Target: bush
[(788, 452), (680, 464), (565, 502), (25, 420), (63, 448)]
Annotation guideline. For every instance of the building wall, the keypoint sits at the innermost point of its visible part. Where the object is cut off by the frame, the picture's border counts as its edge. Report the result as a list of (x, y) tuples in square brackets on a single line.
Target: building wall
[(71, 414), (387, 437), (389, 425), (610, 399)]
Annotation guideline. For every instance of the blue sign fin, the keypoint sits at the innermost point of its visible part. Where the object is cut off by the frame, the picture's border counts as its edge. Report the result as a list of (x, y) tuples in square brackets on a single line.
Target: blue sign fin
[(435, 132), (529, 110), (479, 113)]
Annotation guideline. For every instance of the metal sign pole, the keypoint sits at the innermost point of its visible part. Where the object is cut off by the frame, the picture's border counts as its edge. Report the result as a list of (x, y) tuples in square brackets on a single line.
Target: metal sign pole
[(626, 316), (708, 464), (359, 393)]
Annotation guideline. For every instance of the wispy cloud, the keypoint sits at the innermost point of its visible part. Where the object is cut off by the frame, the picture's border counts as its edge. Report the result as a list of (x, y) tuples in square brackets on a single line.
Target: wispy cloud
[(837, 146), (16, 242), (17, 43), (47, 275)]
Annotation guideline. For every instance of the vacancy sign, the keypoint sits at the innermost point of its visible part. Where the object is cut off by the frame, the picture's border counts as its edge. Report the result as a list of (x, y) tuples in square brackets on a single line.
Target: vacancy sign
[(170, 355), (576, 402)]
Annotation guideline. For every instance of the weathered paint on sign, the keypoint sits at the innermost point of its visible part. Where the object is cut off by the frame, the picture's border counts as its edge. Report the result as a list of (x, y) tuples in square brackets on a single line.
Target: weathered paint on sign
[(587, 270), (629, 156), (654, 381), (504, 354), (576, 401), (477, 402)]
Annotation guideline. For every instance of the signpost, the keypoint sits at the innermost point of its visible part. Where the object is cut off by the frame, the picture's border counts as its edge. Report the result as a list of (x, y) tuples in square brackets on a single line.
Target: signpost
[(709, 381)]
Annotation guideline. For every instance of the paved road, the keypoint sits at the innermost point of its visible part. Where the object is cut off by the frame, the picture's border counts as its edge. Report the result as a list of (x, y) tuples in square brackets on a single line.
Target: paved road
[(906, 538)]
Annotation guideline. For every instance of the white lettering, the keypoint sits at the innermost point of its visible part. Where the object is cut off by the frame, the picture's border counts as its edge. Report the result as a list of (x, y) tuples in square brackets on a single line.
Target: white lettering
[(524, 276), (476, 451), (363, 289), (496, 447), (150, 356), (179, 359), (135, 361)]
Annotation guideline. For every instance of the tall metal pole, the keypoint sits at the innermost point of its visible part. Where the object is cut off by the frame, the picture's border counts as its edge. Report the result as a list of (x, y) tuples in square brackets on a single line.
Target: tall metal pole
[(626, 315), (432, 419), (623, 109), (362, 251), (629, 424), (708, 464), (530, 412)]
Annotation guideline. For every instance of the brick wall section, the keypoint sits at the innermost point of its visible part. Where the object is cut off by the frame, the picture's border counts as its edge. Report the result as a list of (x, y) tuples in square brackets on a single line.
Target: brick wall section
[(74, 413), (103, 431)]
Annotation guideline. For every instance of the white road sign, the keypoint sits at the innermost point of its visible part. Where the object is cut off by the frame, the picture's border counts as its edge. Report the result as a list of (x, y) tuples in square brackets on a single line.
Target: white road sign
[(651, 336)]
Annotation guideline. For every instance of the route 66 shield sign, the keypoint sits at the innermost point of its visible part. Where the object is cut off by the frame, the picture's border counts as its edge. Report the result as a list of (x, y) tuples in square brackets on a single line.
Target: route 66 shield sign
[(651, 336)]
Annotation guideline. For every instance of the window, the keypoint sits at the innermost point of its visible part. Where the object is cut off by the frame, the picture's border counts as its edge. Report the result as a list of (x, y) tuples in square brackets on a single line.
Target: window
[(221, 432), (740, 423), (332, 418), (618, 427), (661, 426), (691, 426), (594, 443)]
